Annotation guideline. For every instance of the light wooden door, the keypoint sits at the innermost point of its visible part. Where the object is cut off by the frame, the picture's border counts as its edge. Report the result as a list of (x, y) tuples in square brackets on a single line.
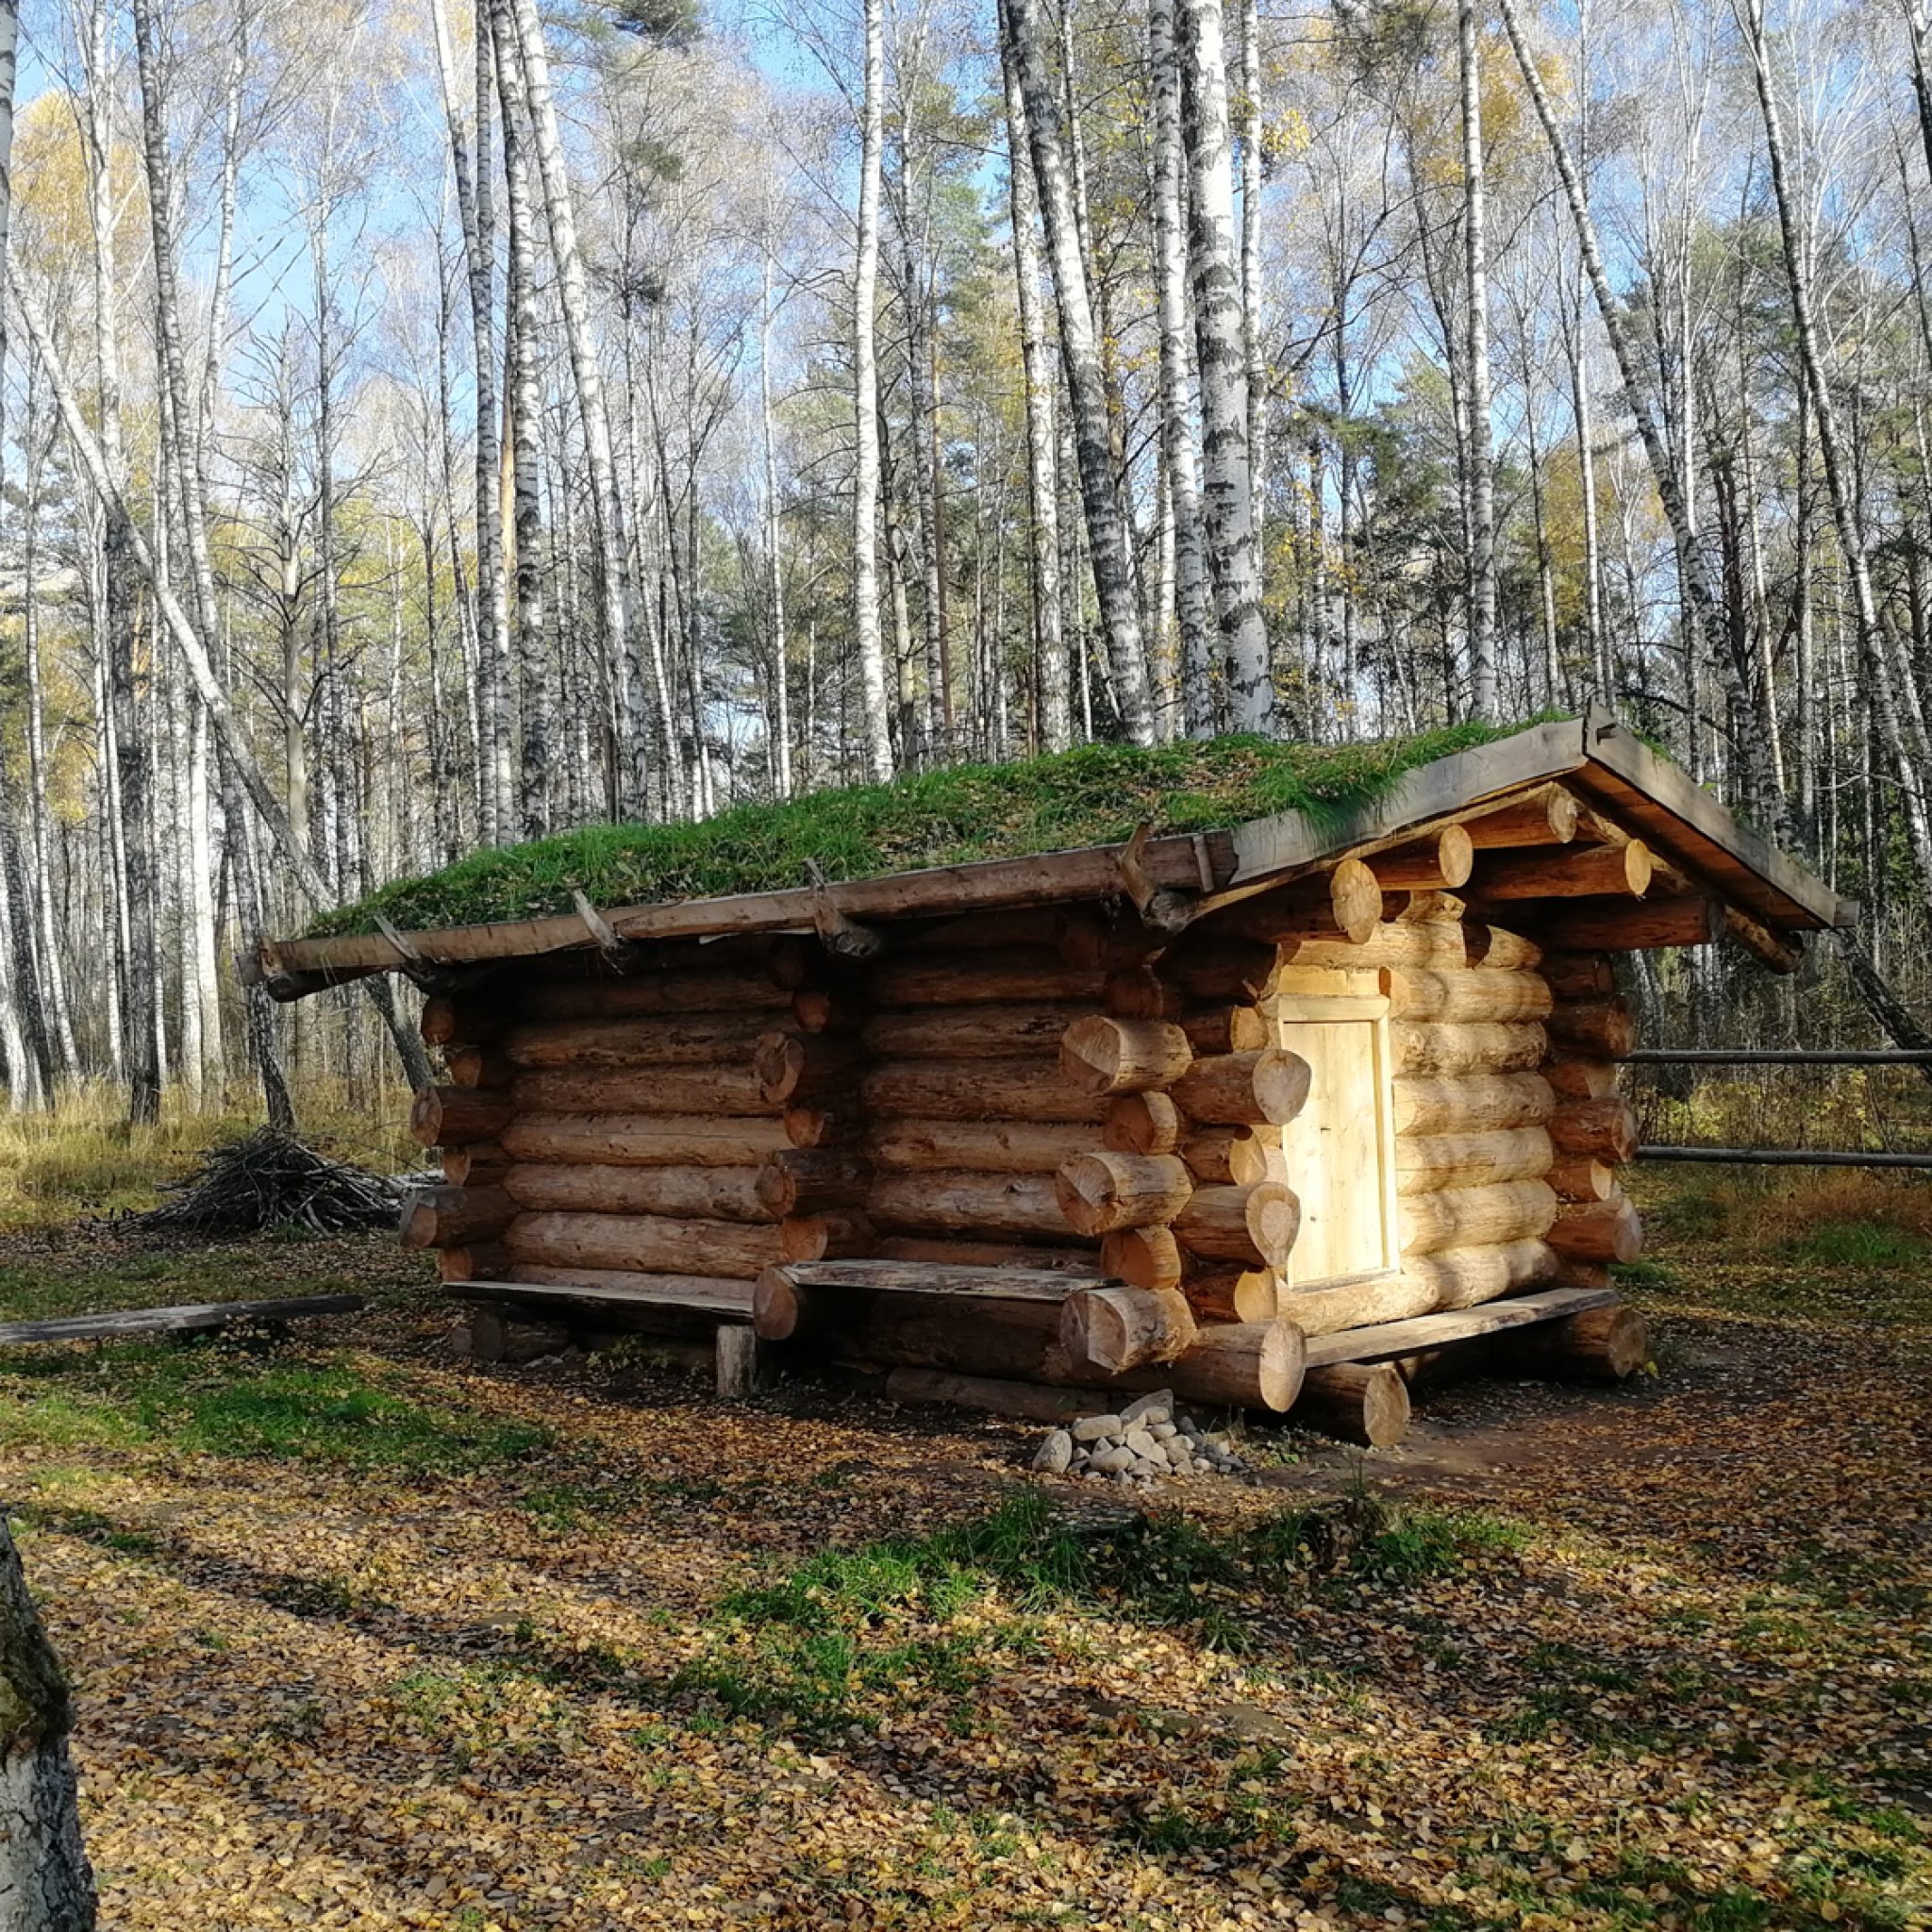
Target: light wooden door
[(1341, 1148)]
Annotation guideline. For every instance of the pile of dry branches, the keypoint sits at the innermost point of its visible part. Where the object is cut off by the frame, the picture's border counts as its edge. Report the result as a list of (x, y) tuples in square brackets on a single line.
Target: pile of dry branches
[(271, 1180)]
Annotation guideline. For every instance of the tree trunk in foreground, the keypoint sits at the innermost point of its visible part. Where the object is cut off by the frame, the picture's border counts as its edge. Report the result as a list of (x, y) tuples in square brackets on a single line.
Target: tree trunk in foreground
[(45, 1882)]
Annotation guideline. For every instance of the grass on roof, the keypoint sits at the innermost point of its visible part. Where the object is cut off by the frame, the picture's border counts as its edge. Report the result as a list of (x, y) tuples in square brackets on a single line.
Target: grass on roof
[(1095, 795)]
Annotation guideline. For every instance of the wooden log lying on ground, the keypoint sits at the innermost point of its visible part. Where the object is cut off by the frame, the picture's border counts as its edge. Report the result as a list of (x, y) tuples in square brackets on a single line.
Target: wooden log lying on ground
[(809, 1180), (1547, 816), (1602, 1129), (1471, 1102), (1421, 1046), (989, 1206), (1114, 1329), (1017, 1090), (1346, 905), (1618, 925), (1573, 872), (1101, 1192), (679, 1039), (1477, 1217), (633, 1139), (1356, 1402), (1595, 1029), (1476, 993), (1440, 862), (648, 1243), (450, 1116), (727, 1087), (997, 977), (1268, 1088), (1608, 1230), (1427, 1162), (1254, 1225), (970, 1032), (836, 1234), (717, 989), (196, 1318), (1604, 1344), (1101, 1055), (1452, 1279), (454, 1217), (1142, 1124), (707, 1194), (982, 1146)]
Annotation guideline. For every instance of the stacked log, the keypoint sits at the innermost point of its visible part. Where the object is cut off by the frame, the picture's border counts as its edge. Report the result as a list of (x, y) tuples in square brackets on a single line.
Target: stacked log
[(1592, 1128), (464, 1120)]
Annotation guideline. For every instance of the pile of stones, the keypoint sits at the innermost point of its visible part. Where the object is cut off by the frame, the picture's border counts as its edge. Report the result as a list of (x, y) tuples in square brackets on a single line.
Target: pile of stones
[(1139, 1443)]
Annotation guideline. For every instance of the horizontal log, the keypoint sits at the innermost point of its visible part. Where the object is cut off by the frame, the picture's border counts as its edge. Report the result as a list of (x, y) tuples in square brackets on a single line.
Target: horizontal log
[(1113, 1329), (1427, 1162), (1476, 1217), (922, 1324), (636, 1300), (832, 1236), (680, 1039), (1571, 873), (1425, 1046), (981, 1146), (794, 1069), (1780, 951), (837, 1126), (648, 1243), (1355, 1402), (1029, 928), (1345, 904), (449, 1022), (1438, 862), (999, 976), (1398, 1342), (1256, 1226), (452, 1116), (479, 1261), (722, 989), (1143, 1256), (454, 1218), (956, 1253), (842, 1009), (190, 1318), (727, 1087), (637, 1139), (1471, 1102), (1471, 994), (1622, 925), (1266, 1088), (1547, 816), (1579, 976), (1091, 942), (707, 1194), (1602, 1130), (984, 1205), (1454, 1278), (1234, 1294), (478, 1066), (1142, 1124), (1602, 1344), (970, 1032), (1595, 1029), (1101, 1192), (1029, 1401), (1579, 1177), (1017, 1090), (1241, 1365), (1600, 1231), (1221, 1156), (476, 1164), (1212, 966), (808, 1181), (1572, 1078), (1102, 1055), (1226, 1030)]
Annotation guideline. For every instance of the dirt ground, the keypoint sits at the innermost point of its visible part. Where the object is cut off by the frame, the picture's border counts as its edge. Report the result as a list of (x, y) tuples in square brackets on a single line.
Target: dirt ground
[(365, 1638)]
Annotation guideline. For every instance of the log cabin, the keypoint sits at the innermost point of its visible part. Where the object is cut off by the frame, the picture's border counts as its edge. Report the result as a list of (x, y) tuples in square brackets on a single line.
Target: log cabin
[(1284, 1116)]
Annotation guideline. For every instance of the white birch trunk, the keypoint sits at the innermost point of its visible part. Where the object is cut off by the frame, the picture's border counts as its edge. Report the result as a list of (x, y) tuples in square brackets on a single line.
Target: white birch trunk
[(1482, 454), (865, 406)]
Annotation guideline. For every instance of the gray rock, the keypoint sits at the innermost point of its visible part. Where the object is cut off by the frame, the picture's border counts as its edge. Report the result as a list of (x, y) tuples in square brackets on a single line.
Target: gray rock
[(1178, 1454), (1146, 1465), (1140, 1441), (1156, 1405), (1163, 1432), (1092, 1427), (1111, 1461), (1055, 1454)]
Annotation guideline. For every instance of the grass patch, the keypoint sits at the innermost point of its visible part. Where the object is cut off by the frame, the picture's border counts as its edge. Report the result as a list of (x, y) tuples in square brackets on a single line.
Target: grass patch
[(1095, 795), (216, 1402), (1410, 1545), (1860, 1245)]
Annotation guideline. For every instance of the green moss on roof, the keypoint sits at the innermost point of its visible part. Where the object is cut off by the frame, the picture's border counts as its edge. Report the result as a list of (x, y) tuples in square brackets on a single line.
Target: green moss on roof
[(1093, 796)]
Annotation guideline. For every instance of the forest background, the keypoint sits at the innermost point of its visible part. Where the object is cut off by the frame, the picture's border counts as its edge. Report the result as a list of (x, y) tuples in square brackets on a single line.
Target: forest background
[(429, 427)]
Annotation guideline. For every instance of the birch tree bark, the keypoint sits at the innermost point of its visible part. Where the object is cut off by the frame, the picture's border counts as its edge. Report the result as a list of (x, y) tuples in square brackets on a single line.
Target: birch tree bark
[(1482, 452), (1220, 354), (1194, 613), (1253, 327), (1106, 532), (865, 404), (774, 550)]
